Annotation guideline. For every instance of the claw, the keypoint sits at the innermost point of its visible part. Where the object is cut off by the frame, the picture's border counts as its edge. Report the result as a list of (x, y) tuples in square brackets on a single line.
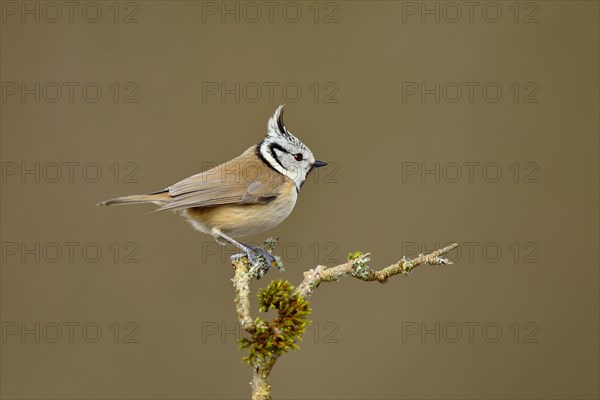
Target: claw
[(270, 259), (260, 259)]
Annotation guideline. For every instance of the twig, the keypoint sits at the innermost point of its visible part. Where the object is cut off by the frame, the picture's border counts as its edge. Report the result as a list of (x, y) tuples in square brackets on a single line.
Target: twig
[(261, 389), (358, 269), (241, 285), (356, 266)]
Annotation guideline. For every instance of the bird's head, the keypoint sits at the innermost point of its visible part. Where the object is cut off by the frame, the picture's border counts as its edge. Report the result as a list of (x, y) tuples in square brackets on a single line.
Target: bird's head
[(285, 153)]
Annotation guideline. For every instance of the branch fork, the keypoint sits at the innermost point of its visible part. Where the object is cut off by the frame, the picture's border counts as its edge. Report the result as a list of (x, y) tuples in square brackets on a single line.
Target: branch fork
[(292, 305)]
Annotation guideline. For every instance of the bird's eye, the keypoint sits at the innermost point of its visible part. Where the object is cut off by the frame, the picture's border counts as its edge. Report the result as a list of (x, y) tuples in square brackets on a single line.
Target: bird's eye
[(298, 156)]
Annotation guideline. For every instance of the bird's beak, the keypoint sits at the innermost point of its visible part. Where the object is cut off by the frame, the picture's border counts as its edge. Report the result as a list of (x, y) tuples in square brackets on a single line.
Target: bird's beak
[(318, 164)]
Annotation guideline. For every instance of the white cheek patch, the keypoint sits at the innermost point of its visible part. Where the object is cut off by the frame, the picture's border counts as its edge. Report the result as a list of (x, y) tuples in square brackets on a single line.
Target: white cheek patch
[(293, 175)]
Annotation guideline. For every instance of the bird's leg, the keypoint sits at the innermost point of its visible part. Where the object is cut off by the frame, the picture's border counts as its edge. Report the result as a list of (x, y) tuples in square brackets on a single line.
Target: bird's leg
[(254, 254)]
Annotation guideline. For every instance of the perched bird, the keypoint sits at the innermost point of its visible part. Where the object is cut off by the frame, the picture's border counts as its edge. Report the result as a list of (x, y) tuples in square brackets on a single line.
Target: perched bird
[(250, 194)]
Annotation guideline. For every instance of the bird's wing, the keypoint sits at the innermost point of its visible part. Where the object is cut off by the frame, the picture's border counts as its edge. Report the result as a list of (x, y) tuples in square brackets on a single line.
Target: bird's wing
[(243, 180)]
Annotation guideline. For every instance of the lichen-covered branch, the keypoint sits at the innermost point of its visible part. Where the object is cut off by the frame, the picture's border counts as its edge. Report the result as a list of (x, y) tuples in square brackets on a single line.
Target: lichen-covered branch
[(241, 285), (261, 388), (357, 267), (269, 340)]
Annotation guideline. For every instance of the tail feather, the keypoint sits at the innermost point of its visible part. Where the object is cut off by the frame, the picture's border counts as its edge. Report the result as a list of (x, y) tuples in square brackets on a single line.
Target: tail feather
[(156, 198)]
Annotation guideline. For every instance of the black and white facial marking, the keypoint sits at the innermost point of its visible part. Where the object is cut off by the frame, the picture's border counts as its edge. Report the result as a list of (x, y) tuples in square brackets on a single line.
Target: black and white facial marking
[(284, 152)]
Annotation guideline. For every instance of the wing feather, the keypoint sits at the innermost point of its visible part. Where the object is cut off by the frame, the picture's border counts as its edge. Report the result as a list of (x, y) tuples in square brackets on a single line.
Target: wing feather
[(243, 180)]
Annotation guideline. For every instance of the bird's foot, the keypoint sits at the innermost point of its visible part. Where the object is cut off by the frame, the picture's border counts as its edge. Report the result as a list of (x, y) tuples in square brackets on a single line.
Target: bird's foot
[(260, 260)]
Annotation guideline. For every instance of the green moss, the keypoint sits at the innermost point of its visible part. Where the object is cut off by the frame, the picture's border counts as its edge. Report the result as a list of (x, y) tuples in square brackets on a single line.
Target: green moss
[(282, 333)]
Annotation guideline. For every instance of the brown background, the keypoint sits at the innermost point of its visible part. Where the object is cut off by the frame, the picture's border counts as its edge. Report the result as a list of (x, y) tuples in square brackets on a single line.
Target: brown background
[(356, 348)]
